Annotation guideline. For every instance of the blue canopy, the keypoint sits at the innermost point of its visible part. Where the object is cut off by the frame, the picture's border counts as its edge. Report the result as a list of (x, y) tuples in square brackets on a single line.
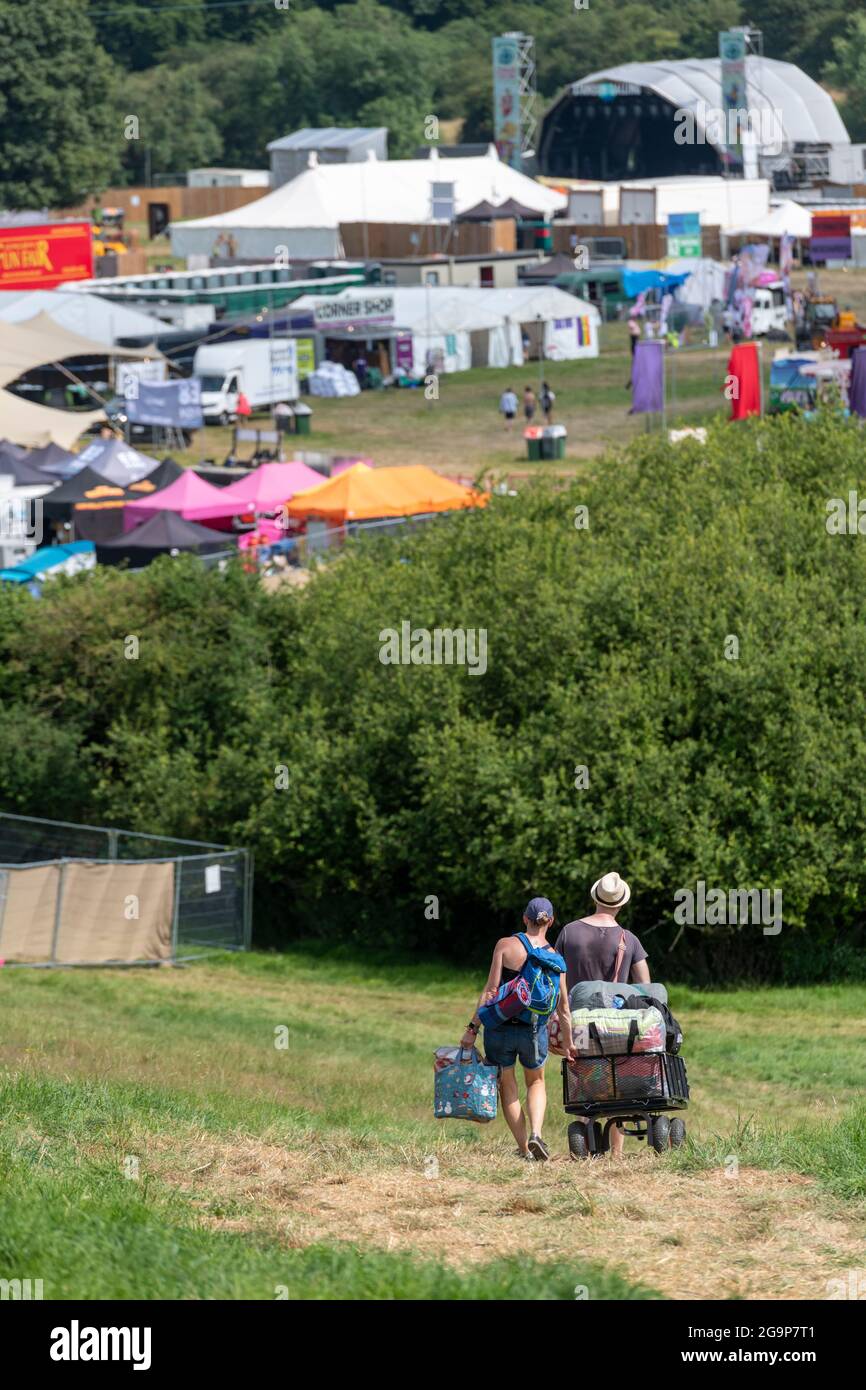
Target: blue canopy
[(45, 559), (635, 282)]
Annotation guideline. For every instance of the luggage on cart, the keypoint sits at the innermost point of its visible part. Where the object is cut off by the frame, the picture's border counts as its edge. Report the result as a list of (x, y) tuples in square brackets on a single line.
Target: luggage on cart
[(652, 1079), (627, 1072), (613, 1032)]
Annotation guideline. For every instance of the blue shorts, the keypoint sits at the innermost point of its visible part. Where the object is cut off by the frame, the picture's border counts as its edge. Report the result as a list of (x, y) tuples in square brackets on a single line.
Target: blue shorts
[(505, 1042)]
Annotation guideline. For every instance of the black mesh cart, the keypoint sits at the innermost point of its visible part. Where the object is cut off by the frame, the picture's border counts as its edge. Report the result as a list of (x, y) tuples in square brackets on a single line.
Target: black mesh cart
[(638, 1092)]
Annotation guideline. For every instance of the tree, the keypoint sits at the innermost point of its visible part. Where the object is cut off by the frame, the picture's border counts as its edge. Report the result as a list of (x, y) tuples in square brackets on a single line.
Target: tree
[(139, 37), (175, 126), (59, 137), (848, 72)]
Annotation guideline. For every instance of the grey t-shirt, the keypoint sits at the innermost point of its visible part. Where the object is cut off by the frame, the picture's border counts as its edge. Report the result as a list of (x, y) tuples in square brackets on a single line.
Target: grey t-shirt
[(590, 951)]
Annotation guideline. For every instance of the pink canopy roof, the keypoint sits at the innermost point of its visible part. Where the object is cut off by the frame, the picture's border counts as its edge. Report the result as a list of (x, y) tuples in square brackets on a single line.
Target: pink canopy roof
[(189, 495), (270, 485)]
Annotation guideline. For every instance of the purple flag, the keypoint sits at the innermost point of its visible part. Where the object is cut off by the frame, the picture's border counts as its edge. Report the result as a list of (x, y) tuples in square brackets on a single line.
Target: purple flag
[(857, 387), (647, 378)]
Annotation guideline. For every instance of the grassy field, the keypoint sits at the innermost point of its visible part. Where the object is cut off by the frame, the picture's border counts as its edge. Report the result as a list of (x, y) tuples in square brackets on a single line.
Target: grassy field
[(462, 433), (158, 1141)]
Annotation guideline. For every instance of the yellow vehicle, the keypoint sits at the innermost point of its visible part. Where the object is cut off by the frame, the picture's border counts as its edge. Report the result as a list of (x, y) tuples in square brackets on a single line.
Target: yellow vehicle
[(108, 233)]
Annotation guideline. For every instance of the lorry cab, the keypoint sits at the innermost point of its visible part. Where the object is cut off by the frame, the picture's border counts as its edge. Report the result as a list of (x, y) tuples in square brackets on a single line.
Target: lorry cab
[(769, 314), (219, 396)]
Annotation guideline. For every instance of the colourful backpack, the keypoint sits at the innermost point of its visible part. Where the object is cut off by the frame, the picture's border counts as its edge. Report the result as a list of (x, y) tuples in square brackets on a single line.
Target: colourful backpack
[(536, 986)]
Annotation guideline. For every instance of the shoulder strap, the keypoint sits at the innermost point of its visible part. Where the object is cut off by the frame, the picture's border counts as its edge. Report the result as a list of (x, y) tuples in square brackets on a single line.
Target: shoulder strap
[(620, 952)]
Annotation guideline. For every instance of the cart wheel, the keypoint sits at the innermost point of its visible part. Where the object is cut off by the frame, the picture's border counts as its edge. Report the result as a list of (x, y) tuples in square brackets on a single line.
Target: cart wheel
[(661, 1132), (678, 1133), (577, 1145)]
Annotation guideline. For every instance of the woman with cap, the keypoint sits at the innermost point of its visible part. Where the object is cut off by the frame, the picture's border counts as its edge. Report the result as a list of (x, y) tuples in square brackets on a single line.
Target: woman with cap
[(598, 948), (506, 1040)]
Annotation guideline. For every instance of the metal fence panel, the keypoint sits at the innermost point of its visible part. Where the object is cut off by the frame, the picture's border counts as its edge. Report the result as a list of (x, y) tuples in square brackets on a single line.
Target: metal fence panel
[(212, 908)]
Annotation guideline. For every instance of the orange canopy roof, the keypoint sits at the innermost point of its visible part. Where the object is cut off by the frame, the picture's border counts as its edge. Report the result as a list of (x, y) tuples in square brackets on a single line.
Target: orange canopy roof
[(361, 492)]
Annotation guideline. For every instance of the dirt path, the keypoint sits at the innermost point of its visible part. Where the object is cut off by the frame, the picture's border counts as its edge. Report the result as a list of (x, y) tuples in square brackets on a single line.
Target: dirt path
[(704, 1235)]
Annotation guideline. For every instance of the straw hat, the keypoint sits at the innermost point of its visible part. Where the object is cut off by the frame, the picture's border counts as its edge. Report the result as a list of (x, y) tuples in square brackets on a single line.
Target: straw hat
[(610, 891)]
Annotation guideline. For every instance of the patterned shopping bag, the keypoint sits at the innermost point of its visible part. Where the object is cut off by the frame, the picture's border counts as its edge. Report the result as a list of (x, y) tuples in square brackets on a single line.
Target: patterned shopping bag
[(464, 1087)]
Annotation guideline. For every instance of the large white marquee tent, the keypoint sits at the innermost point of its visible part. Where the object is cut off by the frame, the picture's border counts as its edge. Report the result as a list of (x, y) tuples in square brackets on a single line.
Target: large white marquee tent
[(305, 214)]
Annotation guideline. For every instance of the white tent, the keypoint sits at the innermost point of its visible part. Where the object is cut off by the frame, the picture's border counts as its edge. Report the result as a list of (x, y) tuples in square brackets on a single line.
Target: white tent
[(706, 282), (442, 321), (786, 219), (24, 422), (40, 341), (84, 314), (567, 326), (305, 214), (454, 328)]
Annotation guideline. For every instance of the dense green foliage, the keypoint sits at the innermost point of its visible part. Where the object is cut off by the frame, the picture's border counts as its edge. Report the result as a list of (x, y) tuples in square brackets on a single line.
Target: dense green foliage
[(58, 140), (215, 84), (606, 649)]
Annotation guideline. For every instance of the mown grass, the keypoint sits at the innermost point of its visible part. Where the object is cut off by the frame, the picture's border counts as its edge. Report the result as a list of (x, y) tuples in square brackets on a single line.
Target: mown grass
[(462, 433), (76, 1212), (179, 1067)]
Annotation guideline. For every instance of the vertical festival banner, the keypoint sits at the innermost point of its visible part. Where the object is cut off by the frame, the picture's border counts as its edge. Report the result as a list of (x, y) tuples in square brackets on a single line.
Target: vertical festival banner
[(506, 100), (732, 53)]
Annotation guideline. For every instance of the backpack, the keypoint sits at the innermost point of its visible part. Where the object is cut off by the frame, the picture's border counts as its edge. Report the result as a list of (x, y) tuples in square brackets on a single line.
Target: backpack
[(540, 974)]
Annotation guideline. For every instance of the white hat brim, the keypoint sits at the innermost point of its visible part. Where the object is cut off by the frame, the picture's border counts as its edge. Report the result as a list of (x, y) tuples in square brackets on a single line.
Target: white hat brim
[(593, 893)]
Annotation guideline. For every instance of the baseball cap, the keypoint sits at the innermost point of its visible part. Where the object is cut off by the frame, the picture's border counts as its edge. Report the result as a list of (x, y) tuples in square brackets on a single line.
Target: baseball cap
[(539, 908)]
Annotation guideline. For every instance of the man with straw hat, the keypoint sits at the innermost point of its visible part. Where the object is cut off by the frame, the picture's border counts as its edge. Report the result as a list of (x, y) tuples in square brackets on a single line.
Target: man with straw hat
[(598, 948)]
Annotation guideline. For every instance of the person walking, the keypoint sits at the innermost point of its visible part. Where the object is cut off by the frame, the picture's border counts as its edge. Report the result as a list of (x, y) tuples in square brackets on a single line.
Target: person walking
[(547, 402), (529, 404), (598, 948), (505, 1040), (508, 407)]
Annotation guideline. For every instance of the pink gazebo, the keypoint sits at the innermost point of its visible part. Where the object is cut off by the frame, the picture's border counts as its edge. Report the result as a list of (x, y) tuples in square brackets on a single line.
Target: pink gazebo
[(191, 497), (270, 485)]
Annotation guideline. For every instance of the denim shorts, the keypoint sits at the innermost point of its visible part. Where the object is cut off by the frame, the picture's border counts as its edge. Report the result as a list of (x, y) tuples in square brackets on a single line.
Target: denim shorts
[(505, 1042)]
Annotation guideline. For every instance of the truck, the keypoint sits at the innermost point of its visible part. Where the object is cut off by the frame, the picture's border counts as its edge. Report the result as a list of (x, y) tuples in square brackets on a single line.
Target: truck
[(264, 369), (824, 325), (819, 314), (769, 314)]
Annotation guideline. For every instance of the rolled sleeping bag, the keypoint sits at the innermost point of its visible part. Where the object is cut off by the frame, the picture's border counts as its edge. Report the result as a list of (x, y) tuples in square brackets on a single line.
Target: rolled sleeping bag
[(582, 994)]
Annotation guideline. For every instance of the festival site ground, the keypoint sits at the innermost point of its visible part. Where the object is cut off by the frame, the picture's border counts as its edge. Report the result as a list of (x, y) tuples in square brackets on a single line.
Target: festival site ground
[(245, 1126), (462, 434), (156, 1144)]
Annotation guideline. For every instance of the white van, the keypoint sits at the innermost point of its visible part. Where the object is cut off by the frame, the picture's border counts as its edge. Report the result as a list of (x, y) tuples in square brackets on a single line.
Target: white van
[(265, 369), (768, 310)]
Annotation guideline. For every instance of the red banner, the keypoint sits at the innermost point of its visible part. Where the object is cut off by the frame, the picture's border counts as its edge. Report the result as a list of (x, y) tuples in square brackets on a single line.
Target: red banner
[(43, 257)]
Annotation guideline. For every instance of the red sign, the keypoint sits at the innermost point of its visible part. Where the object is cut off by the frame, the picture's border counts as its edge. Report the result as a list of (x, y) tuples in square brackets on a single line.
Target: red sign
[(43, 257)]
